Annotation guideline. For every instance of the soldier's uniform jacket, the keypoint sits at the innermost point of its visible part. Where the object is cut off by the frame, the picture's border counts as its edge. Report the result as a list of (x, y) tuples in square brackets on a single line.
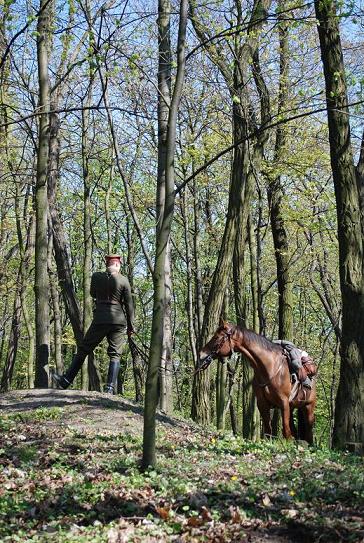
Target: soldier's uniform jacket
[(114, 303)]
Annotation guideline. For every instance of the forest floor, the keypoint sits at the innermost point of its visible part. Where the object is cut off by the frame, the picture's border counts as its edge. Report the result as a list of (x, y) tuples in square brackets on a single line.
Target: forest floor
[(69, 473)]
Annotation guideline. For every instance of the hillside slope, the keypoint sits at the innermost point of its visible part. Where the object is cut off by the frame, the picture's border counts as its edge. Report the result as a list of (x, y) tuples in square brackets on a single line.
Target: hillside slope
[(70, 474)]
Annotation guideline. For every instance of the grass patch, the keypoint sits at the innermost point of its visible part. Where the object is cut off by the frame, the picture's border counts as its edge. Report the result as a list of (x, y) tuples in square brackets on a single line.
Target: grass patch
[(73, 486)]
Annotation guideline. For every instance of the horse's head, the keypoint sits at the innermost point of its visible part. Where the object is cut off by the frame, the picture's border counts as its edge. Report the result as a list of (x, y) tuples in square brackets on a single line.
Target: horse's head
[(219, 345)]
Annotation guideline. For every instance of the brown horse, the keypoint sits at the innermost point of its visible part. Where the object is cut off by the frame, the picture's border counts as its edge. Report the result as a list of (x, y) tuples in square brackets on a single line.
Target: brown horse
[(272, 381)]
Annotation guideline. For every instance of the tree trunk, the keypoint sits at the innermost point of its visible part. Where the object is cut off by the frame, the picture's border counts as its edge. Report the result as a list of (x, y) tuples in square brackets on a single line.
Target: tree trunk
[(41, 284), (31, 339), (164, 100), (87, 232), (57, 325), (138, 370), (250, 413), (275, 194), (221, 381), (200, 396), (349, 411), (13, 339), (221, 376), (60, 246), (26, 250), (163, 235), (197, 268), (239, 187), (166, 369), (190, 301)]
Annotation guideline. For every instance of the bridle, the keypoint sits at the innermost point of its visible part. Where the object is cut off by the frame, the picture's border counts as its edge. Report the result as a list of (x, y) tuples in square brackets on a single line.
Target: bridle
[(227, 334)]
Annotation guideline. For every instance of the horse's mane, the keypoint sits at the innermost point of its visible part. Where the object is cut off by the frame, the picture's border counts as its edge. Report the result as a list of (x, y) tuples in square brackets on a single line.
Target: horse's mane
[(249, 335)]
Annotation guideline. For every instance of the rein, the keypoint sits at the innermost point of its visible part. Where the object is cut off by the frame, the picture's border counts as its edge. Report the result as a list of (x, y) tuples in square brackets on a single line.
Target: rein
[(215, 352)]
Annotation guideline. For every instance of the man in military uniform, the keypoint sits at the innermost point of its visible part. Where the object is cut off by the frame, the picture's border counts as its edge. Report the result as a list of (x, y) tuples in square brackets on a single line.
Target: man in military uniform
[(113, 314)]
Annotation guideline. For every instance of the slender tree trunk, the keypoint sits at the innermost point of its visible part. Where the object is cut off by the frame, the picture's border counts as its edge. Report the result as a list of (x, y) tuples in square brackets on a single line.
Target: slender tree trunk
[(41, 285), (200, 396), (166, 369), (190, 304), (13, 339), (250, 414), (164, 100), (221, 381), (232, 410), (57, 325), (275, 194), (197, 267), (107, 203), (138, 371), (349, 409), (87, 231), (26, 249), (221, 376), (253, 276), (163, 235), (31, 340), (61, 252)]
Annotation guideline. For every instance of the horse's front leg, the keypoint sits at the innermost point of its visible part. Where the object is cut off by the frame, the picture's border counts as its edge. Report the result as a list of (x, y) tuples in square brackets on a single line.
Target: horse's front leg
[(286, 413)]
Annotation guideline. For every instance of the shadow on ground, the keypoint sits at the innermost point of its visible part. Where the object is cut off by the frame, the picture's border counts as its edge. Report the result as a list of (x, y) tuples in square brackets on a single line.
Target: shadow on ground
[(28, 400)]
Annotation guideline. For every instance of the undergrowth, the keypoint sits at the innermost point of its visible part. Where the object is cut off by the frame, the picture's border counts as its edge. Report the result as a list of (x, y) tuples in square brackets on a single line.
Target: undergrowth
[(61, 485)]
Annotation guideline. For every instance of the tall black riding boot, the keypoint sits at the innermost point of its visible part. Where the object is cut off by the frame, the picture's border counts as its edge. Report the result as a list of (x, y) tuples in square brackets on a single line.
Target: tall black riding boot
[(112, 377), (65, 380)]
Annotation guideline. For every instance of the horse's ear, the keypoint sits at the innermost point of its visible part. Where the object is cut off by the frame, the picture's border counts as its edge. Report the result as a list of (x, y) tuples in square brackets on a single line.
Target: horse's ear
[(222, 323)]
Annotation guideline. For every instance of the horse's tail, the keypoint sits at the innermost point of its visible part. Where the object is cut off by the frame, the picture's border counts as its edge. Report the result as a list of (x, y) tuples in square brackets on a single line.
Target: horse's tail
[(301, 424)]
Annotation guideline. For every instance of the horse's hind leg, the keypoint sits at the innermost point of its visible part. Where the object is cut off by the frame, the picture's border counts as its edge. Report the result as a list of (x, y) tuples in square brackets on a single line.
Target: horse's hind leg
[(292, 425), (301, 423), (308, 419)]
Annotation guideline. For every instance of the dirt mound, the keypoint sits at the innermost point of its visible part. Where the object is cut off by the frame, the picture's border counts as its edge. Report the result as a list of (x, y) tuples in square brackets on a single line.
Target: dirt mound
[(83, 410)]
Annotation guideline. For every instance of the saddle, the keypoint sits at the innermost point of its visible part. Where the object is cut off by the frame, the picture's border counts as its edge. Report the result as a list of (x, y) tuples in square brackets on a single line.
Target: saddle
[(309, 368)]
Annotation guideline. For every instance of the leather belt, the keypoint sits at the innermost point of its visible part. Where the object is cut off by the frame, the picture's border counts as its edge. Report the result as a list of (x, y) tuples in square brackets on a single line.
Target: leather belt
[(109, 302)]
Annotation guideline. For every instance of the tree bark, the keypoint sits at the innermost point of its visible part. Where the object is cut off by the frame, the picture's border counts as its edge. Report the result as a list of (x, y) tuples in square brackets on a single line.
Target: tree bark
[(41, 283), (349, 409)]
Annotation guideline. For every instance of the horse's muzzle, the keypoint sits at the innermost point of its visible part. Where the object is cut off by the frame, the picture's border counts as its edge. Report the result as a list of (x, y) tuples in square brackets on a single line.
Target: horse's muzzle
[(205, 360)]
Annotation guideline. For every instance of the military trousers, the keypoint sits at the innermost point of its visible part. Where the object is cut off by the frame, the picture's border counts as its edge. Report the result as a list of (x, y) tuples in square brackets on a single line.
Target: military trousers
[(114, 333)]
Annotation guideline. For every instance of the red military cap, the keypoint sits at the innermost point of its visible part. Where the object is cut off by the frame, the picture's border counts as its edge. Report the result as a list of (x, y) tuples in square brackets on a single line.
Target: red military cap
[(111, 258)]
